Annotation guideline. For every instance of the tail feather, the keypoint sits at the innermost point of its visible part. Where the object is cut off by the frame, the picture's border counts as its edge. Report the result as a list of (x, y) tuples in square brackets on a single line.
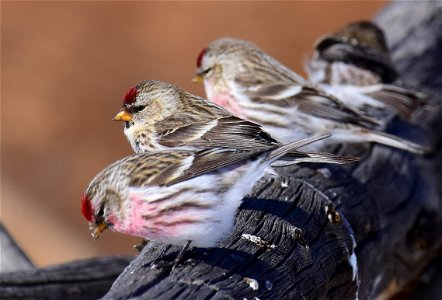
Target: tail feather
[(394, 141), (290, 147), (296, 157)]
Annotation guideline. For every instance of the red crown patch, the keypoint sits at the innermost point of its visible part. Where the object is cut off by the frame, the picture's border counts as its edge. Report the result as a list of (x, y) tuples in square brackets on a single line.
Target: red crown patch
[(130, 96), (86, 208)]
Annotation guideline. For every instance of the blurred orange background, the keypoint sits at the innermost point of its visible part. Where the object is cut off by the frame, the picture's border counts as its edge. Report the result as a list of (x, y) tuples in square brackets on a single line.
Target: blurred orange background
[(64, 69)]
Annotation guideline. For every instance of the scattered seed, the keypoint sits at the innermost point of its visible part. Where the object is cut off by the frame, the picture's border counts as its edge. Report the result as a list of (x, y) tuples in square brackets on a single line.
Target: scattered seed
[(252, 283)]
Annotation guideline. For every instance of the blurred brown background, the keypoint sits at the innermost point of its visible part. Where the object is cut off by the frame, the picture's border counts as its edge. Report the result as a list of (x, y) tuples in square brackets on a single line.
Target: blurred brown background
[(65, 67)]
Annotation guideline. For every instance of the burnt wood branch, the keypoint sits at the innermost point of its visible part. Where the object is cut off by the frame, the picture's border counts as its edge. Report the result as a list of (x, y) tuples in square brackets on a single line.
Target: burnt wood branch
[(363, 231)]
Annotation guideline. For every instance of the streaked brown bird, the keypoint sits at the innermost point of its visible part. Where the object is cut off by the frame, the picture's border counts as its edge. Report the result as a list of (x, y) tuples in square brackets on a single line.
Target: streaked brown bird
[(252, 85), (177, 196), (161, 116)]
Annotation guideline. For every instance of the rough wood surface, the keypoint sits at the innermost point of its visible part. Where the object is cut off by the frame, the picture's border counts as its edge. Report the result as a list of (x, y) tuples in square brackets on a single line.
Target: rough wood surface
[(85, 279), (388, 206), (12, 258), (365, 231)]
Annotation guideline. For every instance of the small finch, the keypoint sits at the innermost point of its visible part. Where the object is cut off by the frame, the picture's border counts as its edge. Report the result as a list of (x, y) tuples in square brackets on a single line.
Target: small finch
[(177, 196), (161, 116), (354, 65), (252, 85)]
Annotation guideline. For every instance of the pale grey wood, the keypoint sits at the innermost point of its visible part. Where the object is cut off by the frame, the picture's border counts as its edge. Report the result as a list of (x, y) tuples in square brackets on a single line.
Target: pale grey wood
[(12, 257)]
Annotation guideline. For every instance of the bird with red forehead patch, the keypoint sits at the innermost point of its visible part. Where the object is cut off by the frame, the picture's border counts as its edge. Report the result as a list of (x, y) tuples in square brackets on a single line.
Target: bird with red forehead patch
[(177, 196), (161, 116), (251, 84)]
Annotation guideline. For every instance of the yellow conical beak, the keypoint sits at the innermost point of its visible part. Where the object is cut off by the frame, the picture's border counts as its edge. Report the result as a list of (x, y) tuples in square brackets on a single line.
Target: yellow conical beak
[(123, 115), (198, 78), (99, 228)]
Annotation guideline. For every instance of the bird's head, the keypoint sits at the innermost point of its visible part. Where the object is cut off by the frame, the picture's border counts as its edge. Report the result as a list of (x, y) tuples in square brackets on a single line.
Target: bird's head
[(147, 103), (221, 59), (364, 33), (101, 204), (228, 60)]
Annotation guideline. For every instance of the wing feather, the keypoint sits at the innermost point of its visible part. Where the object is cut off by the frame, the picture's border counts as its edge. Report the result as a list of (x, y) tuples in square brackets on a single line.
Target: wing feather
[(165, 168), (230, 132), (309, 100), (404, 100)]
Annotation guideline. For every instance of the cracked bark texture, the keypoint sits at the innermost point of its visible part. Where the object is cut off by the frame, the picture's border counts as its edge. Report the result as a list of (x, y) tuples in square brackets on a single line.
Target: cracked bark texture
[(364, 231)]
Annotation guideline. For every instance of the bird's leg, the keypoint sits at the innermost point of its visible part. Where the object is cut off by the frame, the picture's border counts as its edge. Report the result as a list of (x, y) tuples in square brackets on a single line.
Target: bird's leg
[(180, 255)]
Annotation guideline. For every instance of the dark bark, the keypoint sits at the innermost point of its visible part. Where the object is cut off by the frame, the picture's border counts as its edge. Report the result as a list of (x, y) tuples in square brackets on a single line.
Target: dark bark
[(316, 223), (85, 279)]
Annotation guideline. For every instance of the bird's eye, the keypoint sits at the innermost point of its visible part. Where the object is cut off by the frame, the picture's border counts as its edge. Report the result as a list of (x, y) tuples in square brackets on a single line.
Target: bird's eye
[(101, 211), (206, 71), (136, 109)]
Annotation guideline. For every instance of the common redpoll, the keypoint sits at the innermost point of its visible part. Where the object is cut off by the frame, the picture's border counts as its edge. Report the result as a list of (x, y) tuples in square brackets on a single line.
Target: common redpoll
[(161, 116), (176, 196), (254, 86), (354, 65)]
